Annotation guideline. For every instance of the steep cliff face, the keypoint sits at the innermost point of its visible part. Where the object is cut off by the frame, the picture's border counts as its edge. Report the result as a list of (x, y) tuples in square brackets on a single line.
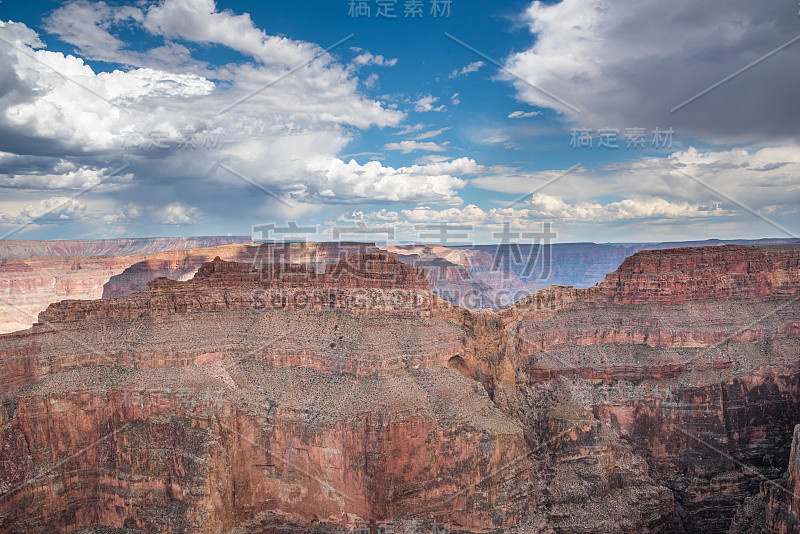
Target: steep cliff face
[(195, 407), (690, 356), (183, 264), (386, 284), (674, 276), (481, 277), (169, 456), (783, 495), (502, 274), (298, 396), (703, 273), (28, 286)]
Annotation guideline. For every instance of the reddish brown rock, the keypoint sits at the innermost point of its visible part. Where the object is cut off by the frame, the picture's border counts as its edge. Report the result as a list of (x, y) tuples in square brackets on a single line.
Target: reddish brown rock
[(182, 265), (28, 286), (690, 355), (357, 283), (673, 276), (180, 453), (783, 495), (332, 414), (224, 403), (678, 275)]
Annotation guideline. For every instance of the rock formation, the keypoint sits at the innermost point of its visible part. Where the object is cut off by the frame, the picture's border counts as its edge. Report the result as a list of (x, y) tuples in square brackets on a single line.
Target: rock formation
[(29, 285), (783, 496), (34, 274), (688, 356), (228, 409), (311, 397), (496, 276)]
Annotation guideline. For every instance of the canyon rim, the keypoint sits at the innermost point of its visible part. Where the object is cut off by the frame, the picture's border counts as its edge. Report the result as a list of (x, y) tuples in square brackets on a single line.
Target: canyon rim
[(275, 397)]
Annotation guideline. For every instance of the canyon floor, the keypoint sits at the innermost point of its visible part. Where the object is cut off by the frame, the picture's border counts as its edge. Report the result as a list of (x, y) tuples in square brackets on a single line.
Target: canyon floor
[(337, 389)]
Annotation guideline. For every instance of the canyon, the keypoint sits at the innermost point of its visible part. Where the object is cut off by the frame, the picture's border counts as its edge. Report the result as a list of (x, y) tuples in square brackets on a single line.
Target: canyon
[(29, 285), (34, 274), (321, 387)]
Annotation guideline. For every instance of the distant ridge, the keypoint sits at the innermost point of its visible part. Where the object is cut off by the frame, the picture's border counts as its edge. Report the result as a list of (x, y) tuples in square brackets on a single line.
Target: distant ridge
[(105, 247)]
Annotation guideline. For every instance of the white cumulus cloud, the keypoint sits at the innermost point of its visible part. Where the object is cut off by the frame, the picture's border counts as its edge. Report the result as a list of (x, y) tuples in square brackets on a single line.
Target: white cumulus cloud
[(468, 69), (426, 103), (523, 114)]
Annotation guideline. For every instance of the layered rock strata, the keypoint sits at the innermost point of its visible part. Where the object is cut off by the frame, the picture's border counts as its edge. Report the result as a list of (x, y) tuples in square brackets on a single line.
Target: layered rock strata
[(663, 399), (689, 357), (195, 407), (28, 286)]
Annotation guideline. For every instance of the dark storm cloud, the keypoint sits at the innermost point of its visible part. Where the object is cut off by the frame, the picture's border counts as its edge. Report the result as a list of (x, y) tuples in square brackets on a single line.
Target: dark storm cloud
[(629, 63)]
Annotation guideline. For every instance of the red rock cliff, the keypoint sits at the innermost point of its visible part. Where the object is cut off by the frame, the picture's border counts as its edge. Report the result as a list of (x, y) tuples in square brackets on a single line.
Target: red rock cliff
[(704, 273), (198, 411), (690, 356), (672, 276), (783, 495), (357, 283), (223, 403)]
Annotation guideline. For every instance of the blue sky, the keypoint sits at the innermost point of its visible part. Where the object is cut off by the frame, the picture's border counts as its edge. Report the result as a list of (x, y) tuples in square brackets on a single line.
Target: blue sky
[(189, 117)]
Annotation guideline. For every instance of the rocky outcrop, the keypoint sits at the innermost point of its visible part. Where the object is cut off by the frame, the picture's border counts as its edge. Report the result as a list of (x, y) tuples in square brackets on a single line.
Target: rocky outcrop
[(674, 276), (690, 282), (204, 417), (182, 265), (783, 495), (690, 356), (386, 283), (28, 286), (223, 402), (477, 278), (501, 274), (371, 270), (704, 273)]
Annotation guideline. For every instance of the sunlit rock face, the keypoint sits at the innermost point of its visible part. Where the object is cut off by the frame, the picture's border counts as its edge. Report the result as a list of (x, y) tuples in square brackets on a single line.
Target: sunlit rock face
[(34, 274), (89, 270), (294, 397)]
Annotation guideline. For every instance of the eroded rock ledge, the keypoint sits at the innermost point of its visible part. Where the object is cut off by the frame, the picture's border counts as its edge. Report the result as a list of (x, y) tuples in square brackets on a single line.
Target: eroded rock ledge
[(672, 276), (208, 406), (357, 283)]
